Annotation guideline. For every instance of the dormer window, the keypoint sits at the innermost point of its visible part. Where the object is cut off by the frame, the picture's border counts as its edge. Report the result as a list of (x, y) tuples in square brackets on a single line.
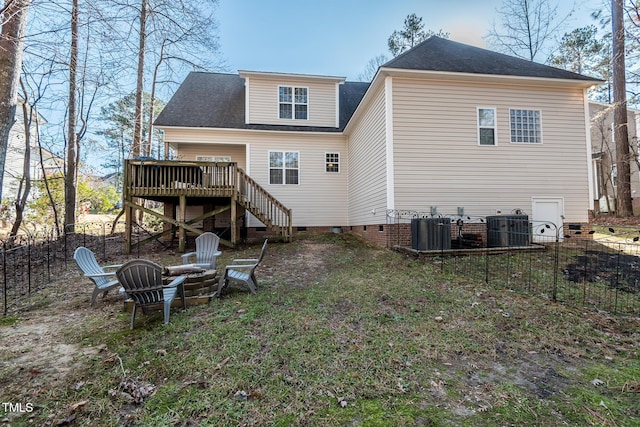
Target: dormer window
[(293, 102)]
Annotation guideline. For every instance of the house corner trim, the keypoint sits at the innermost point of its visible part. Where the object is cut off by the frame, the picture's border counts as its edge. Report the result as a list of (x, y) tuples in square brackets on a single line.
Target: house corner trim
[(388, 95)]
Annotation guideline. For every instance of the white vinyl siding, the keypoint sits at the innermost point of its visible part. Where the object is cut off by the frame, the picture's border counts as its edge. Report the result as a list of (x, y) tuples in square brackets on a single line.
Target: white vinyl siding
[(319, 199), (438, 161), (367, 164), (264, 101)]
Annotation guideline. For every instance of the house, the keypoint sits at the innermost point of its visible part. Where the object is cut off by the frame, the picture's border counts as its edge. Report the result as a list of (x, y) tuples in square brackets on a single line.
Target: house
[(604, 156), (444, 128), (41, 161)]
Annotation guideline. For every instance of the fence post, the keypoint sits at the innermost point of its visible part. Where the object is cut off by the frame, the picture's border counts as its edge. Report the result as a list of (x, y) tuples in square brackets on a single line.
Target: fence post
[(4, 274), (29, 243), (556, 265)]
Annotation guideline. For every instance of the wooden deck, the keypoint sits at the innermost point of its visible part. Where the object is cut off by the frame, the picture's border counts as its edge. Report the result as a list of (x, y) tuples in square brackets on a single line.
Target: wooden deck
[(184, 183)]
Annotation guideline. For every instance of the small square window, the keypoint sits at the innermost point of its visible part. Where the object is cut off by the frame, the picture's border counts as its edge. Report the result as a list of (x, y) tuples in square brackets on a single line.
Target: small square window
[(332, 162)]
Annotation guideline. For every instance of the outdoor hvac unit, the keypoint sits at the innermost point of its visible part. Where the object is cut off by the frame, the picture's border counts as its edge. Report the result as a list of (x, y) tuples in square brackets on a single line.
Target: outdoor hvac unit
[(507, 230), (428, 234)]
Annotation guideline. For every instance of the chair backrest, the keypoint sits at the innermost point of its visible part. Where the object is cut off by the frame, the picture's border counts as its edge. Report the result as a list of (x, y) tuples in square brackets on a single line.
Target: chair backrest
[(206, 246), (264, 249), (87, 262), (142, 281)]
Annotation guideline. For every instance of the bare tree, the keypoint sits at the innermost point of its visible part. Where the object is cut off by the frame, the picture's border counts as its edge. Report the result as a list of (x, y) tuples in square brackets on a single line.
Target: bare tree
[(621, 130), (13, 18), (372, 68), (525, 27), (179, 36), (71, 172), (142, 47)]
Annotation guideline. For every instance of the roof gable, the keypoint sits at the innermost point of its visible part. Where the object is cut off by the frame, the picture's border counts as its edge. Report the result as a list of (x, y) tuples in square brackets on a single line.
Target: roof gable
[(215, 100), (438, 54)]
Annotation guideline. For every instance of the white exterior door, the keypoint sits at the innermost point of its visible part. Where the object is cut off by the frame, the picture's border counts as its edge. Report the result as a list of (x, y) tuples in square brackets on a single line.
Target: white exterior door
[(548, 213)]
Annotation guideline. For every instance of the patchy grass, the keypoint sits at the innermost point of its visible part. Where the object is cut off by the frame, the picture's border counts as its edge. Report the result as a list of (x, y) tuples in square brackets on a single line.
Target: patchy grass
[(340, 333)]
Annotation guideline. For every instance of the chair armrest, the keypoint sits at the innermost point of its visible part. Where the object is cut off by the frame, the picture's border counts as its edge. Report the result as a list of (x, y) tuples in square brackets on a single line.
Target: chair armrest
[(116, 266), (238, 266), (185, 257), (176, 282), (245, 260), (106, 274)]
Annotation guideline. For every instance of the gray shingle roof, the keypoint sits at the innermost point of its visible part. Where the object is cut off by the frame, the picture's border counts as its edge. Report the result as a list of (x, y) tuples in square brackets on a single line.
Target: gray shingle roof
[(438, 54), (217, 100)]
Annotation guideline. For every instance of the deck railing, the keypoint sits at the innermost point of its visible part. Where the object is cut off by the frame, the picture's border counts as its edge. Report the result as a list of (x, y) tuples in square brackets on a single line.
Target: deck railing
[(157, 179), (166, 178)]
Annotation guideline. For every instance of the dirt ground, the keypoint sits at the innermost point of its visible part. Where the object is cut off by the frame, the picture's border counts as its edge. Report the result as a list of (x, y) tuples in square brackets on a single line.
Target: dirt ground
[(34, 343)]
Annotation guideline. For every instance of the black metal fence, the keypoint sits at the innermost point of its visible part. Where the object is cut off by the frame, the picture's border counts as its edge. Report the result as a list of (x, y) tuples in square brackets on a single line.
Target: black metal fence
[(577, 266), (33, 259), (600, 270)]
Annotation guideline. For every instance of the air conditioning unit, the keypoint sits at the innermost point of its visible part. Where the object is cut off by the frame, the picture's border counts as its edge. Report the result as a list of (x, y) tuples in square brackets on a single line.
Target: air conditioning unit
[(428, 234), (508, 230)]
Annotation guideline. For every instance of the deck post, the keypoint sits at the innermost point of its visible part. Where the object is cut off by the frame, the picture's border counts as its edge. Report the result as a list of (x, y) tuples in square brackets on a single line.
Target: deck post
[(127, 208), (234, 226), (182, 233), (128, 215)]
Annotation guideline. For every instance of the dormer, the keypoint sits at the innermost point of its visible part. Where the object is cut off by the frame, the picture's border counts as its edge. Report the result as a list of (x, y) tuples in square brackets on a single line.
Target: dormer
[(291, 99)]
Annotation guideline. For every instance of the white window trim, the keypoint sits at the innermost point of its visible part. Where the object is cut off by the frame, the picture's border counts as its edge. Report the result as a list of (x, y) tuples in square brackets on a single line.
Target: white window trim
[(541, 133), (293, 102), (495, 125), (338, 162), (283, 166)]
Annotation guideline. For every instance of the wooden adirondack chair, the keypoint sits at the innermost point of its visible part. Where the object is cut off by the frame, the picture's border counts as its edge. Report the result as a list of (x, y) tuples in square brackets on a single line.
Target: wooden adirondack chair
[(142, 281), (206, 252), (243, 271), (104, 280)]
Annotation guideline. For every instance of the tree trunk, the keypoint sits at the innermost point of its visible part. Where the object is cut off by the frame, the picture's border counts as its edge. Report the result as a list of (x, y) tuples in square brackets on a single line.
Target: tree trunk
[(621, 131), (25, 182), (11, 46), (137, 142), (71, 173)]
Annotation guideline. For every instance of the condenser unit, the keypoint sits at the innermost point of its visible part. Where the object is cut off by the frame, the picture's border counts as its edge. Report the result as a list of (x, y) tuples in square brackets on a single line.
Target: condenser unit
[(508, 230), (428, 234)]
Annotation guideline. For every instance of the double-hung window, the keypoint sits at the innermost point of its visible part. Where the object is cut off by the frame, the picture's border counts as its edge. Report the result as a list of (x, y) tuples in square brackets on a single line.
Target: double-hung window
[(293, 102), (486, 126), (284, 167), (525, 126)]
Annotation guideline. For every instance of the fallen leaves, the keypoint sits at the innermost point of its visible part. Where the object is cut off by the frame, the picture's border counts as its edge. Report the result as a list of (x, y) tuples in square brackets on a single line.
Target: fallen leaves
[(133, 390)]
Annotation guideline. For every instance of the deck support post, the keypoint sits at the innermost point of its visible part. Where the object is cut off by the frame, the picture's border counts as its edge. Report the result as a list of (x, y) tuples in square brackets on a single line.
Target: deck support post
[(234, 223), (128, 216), (182, 233)]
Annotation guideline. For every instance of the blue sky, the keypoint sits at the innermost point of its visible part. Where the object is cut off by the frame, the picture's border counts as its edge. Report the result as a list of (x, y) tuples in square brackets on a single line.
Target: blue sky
[(339, 37)]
